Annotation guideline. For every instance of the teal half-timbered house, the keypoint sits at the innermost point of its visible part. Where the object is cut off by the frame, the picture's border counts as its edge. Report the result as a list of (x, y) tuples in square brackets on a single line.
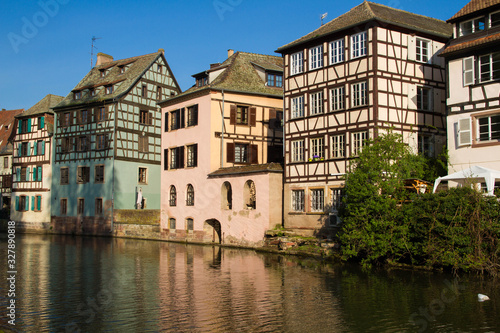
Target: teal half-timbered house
[(107, 143)]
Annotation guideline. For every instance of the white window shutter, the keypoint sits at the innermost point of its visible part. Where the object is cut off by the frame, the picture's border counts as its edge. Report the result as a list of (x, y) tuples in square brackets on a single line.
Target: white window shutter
[(412, 97), (468, 70), (412, 48), (464, 132), (436, 50)]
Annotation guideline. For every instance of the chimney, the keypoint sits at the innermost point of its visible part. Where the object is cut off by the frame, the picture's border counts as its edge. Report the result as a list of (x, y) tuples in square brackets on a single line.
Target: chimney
[(162, 51), (230, 52), (214, 65), (103, 58)]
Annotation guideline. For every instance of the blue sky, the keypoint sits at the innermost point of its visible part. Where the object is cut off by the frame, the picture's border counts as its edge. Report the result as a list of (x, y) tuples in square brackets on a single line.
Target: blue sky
[(45, 45)]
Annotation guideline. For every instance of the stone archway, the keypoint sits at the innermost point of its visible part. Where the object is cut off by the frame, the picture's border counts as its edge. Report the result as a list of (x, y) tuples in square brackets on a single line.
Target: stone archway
[(213, 233)]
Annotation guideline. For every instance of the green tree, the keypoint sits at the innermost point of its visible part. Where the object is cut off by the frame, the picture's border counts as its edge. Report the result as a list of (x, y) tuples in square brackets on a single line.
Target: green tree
[(374, 228)]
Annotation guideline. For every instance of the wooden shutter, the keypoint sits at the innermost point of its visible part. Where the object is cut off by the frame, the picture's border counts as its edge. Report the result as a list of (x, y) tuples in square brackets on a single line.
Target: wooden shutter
[(468, 71), (150, 118), (195, 155), (412, 97), (17, 203), (42, 122), (27, 203), (254, 154), (182, 115), (195, 115), (32, 203), (141, 143), (272, 118), (88, 144), (232, 115), (28, 150), (177, 119), (29, 126), (166, 114), (180, 157), (230, 152), (436, 99), (43, 148), (39, 171), (19, 126), (464, 131), (253, 116), (165, 159), (436, 50), (412, 48)]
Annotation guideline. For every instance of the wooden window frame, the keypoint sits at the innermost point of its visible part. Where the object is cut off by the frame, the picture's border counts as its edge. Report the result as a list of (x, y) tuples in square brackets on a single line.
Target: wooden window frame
[(192, 156), (63, 205), (337, 51), (82, 174), (99, 173), (298, 202), (142, 175), (64, 176), (80, 206), (359, 45), (98, 206), (316, 57), (317, 199), (297, 63), (297, 150)]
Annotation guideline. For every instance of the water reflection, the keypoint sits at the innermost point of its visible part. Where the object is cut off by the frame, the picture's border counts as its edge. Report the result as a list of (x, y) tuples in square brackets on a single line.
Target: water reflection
[(71, 284)]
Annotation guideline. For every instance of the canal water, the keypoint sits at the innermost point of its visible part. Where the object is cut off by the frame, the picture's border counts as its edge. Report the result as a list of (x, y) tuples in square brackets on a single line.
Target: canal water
[(90, 284)]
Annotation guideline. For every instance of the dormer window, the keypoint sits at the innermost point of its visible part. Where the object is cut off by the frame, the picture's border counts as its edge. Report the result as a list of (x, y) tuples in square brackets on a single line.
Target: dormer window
[(92, 92), (122, 69), (159, 68), (202, 81), (77, 95), (472, 26), (109, 90), (103, 72), (274, 80)]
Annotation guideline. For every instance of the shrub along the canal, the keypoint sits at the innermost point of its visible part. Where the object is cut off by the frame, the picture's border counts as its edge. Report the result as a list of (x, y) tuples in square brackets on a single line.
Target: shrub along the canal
[(383, 223)]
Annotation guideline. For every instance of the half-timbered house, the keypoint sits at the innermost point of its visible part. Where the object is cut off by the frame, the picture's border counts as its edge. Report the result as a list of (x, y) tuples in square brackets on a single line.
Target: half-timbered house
[(32, 165), (7, 130), (473, 58), (366, 72), (107, 142), (219, 141)]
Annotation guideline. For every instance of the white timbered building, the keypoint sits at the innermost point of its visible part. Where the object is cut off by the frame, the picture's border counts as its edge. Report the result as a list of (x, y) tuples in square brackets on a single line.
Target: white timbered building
[(107, 142), (366, 72), (31, 165), (473, 59)]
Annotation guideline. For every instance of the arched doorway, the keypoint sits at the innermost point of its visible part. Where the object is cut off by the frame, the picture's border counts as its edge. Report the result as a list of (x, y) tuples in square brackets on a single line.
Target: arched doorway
[(212, 229)]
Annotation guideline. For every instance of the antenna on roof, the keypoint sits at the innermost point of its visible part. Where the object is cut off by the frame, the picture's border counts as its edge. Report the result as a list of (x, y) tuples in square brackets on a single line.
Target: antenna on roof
[(323, 16), (92, 50)]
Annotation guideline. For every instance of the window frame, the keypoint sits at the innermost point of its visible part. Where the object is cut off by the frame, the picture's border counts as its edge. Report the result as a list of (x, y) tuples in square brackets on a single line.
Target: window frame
[(64, 176), (192, 155), (142, 175), (241, 152), (298, 200), (82, 174), (316, 57), (486, 23), (297, 107), (337, 51), (80, 206), (337, 145), (491, 64), (489, 125), (63, 206), (172, 196), (317, 196), (242, 115), (337, 98), (317, 147), (297, 151), (359, 94), (359, 47), (98, 205), (316, 103), (99, 173), (189, 195), (296, 63), (359, 143), (423, 45), (424, 103)]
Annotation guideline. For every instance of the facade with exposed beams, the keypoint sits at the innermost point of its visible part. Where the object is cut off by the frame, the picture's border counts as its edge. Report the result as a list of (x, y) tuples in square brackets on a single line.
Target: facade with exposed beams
[(366, 72), (107, 142)]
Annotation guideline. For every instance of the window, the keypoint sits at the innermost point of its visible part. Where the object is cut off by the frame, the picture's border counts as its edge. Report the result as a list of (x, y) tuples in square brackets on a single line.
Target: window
[(297, 63), (109, 90), (159, 68), (242, 115), (489, 128), (83, 116), (177, 119), (83, 143), (317, 200), (23, 149), (158, 93), (77, 95), (103, 72), (64, 180), (171, 223), (249, 195), (190, 195), (37, 174), (7, 181), (298, 151), (494, 19), (99, 174), (98, 206), (359, 94), (143, 143), (24, 176), (338, 146), (40, 147), (6, 162), (64, 206), (274, 80), (337, 96), (202, 81), (173, 197), (92, 92), (298, 107), (100, 114), (317, 103), (143, 176), (422, 52), (358, 45), (424, 98), (82, 174), (145, 117), (66, 119), (298, 200), (192, 115), (472, 26), (317, 147), (101, 141), (227, 196), (489, 67), (37, 204), (425, 145), (358, 142), (22, 203), (192, 155), (144, 90), (177, 158), (337, 194), (189, 224), (240, 153), (24, 126), (66, 144), (81, 206), (336, 51), (468, 71), (316, 57)]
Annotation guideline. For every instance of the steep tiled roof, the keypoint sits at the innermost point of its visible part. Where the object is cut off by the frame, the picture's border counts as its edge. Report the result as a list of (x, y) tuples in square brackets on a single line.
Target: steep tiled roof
[(7, 124), (43, 106), (245, 169), (473, 6), (137, 66), (477, 42), (240, 74), (369, 11)]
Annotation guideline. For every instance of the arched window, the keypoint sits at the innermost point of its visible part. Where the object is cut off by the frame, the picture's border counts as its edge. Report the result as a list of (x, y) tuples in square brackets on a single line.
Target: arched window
[(226, 196), (189, 224), (171, 223), (190, 195), (249, 195), (173, 196)]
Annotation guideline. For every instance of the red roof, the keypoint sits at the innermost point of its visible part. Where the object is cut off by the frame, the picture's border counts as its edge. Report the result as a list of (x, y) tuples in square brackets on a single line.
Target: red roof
[(7, 124), (474, 6)]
